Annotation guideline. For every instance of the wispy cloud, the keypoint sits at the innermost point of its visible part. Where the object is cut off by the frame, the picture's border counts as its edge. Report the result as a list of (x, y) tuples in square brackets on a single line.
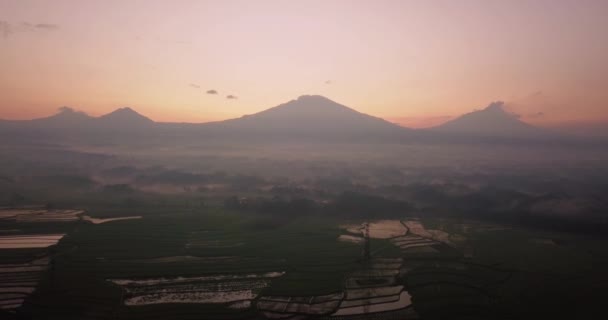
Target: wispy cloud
[(536, 115), (211, 91), (230, 97), (194, 85), (68, 110), (7, 29), (328, 82), (496, 105), (47, 26), (65, 109)]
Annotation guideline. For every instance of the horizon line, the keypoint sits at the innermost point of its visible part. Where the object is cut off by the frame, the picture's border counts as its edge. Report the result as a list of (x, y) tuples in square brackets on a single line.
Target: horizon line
[(432, 121)]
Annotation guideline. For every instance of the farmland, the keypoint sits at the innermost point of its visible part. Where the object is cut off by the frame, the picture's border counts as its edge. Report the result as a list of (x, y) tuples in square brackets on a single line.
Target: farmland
[(66, 264), (27, 237)]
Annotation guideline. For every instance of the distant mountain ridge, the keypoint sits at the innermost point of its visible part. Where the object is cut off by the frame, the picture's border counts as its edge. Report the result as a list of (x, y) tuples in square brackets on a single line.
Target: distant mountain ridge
[(68, 118), (493, 121), (311, 117), (124, 117)]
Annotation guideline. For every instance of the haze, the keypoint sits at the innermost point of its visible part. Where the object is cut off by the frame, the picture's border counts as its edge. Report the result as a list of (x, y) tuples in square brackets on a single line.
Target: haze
[(303, 160), (418, 63)]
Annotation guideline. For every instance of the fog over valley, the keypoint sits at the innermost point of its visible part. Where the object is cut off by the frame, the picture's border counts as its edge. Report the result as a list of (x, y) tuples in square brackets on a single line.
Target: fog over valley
[(303, 160)]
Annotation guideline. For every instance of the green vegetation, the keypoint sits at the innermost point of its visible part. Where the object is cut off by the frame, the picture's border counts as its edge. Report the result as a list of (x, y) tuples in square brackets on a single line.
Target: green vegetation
[(501, 252), (306, 249), (478, 270)]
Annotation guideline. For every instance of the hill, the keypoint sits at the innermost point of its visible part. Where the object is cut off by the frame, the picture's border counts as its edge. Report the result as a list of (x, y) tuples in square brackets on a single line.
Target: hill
[(493, 121), (311, 116), (123, 118)]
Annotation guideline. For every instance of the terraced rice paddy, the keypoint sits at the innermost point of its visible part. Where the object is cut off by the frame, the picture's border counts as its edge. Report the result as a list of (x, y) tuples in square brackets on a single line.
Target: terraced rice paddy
[(26, 241), (207, 289), (408, 235), (432, 281), (273, 307), (18, 280), (99, 220), (368, 289), (382, 229), (40, 215), (373, 288), (351, 239), (26, 260), (228, 267), (412, 241), (26, 237)]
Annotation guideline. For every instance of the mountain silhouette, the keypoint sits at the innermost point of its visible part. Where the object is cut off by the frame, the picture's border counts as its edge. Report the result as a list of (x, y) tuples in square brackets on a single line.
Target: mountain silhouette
[(493, 121), (311, 115), (123, 118), (66, 117)]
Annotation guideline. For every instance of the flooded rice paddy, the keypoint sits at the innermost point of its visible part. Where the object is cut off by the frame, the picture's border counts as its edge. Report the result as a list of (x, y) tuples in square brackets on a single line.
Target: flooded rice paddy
[(100, 221), (40, 215), (206, 289), (413, 270), (18, 280), (26, 241)]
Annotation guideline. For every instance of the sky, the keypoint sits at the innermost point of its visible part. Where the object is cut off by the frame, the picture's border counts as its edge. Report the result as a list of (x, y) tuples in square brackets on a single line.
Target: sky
[(417, 63)]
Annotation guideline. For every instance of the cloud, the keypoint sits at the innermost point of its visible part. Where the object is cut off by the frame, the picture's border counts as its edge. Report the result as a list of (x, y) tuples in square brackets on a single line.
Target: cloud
[(328, 82), (496, 105), (536, 115), (66, 109), (230, 97), (211, 91), (46, 26), (71, 110), (7, 29), (501, 106), (194, 85)]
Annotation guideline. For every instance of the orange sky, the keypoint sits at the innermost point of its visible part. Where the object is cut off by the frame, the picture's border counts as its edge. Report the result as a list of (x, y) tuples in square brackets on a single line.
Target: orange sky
[(413, 62)]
